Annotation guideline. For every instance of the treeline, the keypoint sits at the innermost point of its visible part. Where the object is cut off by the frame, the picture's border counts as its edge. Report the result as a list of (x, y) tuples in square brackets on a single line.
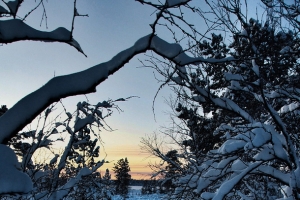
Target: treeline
[(134, 182)]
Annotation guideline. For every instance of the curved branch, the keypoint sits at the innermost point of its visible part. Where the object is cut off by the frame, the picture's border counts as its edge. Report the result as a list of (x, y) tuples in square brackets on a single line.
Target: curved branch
[(24, 111)]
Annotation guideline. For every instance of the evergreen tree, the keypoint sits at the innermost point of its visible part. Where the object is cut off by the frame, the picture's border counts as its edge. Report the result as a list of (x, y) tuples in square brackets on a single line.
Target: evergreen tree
[(107, 176), (172, 170), (106, 180), (121, 170)]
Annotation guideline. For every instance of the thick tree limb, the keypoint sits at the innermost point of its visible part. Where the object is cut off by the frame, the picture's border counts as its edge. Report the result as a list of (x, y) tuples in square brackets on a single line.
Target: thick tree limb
[(24, 111)]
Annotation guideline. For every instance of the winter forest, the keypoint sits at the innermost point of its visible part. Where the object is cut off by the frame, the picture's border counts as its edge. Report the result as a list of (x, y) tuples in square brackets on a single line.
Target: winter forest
[(232, 67)]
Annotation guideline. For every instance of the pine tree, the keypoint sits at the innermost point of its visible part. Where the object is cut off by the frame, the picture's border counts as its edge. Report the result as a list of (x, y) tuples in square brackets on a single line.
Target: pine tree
[(122, 175), (107, 179), (172, 169), (107, 185), (107, 175)]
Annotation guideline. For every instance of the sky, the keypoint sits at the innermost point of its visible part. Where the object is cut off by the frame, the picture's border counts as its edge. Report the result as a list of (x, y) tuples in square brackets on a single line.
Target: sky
[(109, 29)]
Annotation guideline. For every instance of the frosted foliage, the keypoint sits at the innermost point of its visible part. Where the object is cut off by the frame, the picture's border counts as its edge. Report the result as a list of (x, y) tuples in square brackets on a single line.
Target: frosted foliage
[(11, 178), (285, 50), (289, 108), (255, 67), (229, 76), (238, 117), (75, 168), (286, 192), (238, 165), (261, 137), (83, 122), (244, 33), (63, 191), (231, 146), (265, 154)]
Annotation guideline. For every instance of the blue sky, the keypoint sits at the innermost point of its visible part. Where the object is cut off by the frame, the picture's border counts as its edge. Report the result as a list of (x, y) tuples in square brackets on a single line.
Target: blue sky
[(109, 29)]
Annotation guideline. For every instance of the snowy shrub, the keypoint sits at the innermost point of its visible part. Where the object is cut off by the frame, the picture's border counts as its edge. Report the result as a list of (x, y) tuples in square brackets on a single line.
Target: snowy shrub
[(237, 120), (73, 173)]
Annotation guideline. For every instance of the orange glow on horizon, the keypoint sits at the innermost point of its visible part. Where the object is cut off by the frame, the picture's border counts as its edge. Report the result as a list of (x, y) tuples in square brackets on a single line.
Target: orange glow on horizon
[(138, 161)]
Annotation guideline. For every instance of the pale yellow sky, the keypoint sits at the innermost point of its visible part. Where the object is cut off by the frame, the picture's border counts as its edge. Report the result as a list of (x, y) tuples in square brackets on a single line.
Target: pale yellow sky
[(138, 161), (120, 145)]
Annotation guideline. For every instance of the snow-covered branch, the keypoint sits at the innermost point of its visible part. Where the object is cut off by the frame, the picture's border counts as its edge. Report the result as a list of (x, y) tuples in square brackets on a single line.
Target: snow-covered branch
[(12, 180), (14, 30), (86, 81)]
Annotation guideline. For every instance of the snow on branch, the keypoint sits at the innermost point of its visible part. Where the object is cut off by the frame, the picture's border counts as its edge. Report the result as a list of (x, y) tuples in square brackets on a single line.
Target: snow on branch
[(65, 189), (175, 53), (24, 111), (272, 172), (227, 186), (224, 103), (15, 30), (12, 180)]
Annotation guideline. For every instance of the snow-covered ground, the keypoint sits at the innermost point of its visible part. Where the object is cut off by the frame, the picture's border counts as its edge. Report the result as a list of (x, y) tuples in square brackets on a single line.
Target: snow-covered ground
[(135, 193)]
